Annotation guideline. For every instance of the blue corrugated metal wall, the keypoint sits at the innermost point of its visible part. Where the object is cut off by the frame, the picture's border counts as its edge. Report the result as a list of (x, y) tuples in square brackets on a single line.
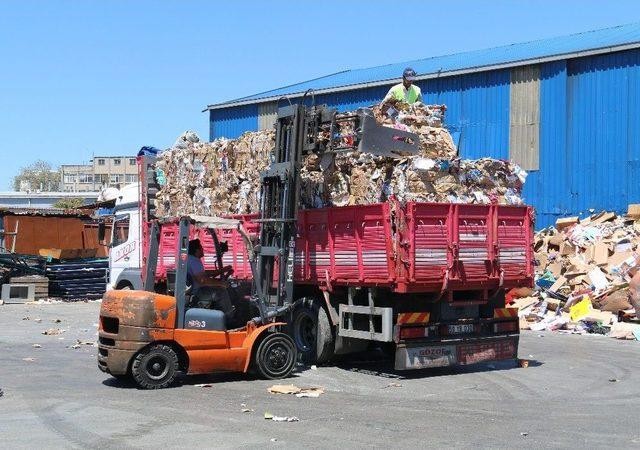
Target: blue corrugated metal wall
[(232, 122), (350, 100), (477, 108), (602, 136), (589, 120)]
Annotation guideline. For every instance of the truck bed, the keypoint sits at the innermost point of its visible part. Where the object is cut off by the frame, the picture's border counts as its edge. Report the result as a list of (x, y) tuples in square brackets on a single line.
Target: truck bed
[(416, 247)]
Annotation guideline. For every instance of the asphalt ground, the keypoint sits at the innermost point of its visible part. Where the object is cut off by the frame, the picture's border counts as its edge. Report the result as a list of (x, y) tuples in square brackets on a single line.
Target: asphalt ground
[(578, 391)]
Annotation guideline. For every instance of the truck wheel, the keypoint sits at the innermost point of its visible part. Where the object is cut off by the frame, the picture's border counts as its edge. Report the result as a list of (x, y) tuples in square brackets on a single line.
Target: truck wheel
[(124, 286), (155, 367), (276, 356), (311, 331)]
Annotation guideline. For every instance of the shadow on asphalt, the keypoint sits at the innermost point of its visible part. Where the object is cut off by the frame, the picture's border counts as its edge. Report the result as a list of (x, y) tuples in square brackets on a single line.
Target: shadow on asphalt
[(191, 380), (372, 363), (368, 363)]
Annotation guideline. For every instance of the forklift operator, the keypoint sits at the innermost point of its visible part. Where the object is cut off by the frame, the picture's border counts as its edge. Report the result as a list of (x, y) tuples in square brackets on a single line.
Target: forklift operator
[(207, 290)]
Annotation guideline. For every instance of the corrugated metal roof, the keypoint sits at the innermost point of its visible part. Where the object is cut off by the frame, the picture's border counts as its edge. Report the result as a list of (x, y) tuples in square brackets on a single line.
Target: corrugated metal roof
[(581, 44), (27, 211)]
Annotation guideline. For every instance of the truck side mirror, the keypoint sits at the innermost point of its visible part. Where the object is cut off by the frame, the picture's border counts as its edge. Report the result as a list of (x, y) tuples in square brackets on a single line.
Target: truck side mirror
[(101, 231)]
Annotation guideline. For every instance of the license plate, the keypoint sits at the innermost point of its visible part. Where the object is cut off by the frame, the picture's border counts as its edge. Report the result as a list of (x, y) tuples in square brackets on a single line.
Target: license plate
[(462, 328), (425, 357), (475, 353)]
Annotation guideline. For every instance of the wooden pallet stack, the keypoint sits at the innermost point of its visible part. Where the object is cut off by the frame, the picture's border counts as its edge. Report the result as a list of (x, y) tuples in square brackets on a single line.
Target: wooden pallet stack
[(41, 284)]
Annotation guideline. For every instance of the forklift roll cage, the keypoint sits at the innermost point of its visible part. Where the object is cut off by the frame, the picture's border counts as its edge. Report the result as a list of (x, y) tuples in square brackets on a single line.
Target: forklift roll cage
[(182, 257)]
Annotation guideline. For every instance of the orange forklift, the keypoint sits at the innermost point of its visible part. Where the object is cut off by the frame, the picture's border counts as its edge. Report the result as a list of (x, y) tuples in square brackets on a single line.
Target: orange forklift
[(152, 337)]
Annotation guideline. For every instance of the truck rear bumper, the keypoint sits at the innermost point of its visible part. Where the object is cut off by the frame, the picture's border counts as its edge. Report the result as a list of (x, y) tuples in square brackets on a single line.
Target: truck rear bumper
[(421, 355)]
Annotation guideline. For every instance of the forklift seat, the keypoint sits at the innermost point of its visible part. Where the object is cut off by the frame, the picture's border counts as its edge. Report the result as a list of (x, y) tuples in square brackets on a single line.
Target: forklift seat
[(204, 319), (196, 318)]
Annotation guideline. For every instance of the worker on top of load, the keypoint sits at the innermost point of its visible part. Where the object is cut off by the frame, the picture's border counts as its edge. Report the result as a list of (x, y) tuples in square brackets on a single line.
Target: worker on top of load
[(405, 91), (207, 290)]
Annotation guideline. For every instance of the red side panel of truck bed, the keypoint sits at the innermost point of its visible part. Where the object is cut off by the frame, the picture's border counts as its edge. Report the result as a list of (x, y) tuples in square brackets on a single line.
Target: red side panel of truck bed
[(513, 241), (349, 245), (456, 247), (236, 256), (418, 247)]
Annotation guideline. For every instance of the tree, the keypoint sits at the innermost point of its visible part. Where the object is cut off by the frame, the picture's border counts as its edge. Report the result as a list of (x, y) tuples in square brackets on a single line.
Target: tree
[(69, 203), (38, 176)]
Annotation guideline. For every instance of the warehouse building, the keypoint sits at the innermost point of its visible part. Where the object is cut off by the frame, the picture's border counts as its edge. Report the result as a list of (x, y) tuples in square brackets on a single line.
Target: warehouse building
[(567, 109)]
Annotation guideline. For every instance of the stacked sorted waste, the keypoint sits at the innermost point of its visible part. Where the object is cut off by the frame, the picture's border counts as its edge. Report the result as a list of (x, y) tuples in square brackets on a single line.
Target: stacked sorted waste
[(583, 274), (223, 177), (78, 279), (212, 178)]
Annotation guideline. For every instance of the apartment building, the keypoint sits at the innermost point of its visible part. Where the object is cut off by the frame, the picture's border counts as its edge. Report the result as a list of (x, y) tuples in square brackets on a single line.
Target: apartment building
[(102, 171)]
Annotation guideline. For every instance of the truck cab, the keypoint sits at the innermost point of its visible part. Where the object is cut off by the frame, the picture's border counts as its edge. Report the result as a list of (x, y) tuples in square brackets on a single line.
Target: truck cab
[(125, 254)]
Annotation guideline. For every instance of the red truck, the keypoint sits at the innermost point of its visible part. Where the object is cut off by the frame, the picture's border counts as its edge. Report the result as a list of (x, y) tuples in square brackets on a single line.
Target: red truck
[(425, 281)]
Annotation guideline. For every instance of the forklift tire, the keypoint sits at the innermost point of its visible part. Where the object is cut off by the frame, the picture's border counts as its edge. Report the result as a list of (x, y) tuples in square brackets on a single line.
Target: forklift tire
[(275, 356), (312, 333), (155, 367), (124, 286)]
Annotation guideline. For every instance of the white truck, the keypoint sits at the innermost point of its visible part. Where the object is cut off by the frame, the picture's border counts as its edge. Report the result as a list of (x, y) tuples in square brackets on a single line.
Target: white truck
[(125, 254)]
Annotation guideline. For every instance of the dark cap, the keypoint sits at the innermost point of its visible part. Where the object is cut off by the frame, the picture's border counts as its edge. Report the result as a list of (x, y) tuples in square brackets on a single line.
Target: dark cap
[(409, 74)]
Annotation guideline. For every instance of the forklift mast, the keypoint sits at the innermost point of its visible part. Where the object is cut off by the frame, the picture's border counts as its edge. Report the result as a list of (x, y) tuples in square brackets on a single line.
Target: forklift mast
[(301, 130)]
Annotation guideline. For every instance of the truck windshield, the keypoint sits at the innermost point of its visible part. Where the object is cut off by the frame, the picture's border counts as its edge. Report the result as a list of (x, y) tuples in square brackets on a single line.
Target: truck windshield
[(120, 232)]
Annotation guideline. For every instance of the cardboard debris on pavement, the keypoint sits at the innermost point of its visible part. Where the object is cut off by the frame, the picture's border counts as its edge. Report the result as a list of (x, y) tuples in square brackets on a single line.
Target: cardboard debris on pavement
[(223, 177), (269, 416), (587, 275), (53, 331), (313, 392)]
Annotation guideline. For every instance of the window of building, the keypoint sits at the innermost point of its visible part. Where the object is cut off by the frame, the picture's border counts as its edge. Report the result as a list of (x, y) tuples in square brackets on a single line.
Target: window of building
[(131, 178), (70, 178), (132, 161), (101, 162), (115, 178), (117, 161), (86, 178)]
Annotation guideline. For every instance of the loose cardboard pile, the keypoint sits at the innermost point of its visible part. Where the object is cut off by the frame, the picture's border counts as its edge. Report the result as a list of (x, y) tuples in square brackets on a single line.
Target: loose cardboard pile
[(223, 177), (584, 269), (359, 178)]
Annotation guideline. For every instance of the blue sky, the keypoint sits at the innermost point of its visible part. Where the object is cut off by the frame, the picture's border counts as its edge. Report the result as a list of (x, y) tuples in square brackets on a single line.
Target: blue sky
[(80, 78)]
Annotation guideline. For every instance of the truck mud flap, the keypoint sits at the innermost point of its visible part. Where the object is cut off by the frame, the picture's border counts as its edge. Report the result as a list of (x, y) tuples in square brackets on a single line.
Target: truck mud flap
[(424, 356)]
